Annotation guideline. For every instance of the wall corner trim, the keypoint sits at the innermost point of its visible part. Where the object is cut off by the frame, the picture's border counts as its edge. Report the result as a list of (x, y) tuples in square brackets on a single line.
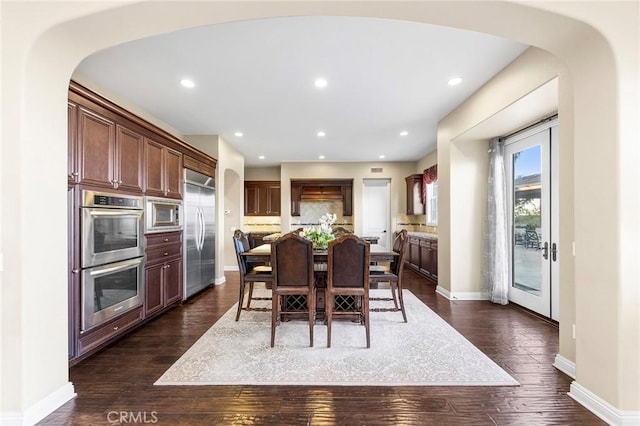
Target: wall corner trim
[(40, 409), (443, 292), (566, 366), (220, 280), (602, 408)]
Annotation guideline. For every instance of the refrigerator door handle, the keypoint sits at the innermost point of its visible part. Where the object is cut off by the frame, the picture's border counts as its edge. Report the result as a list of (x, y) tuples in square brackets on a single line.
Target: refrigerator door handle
[(198, 228), (201, 216)]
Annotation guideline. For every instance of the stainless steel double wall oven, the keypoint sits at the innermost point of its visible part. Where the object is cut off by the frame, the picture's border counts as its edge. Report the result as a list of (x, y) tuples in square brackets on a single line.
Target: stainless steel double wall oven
[(112, 255)]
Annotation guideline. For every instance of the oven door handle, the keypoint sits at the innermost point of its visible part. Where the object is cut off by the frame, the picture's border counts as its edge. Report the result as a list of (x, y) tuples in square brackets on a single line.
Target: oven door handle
[(105, 212), (118, 266)]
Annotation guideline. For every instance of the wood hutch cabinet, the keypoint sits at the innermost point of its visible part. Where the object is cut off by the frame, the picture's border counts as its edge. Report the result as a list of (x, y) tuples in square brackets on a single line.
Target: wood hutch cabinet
[(261, 198), (322, 190), (415, 205)]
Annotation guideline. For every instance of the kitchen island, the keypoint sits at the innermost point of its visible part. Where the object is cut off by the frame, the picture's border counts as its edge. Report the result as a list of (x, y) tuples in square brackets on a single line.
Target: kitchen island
[(422, 254)]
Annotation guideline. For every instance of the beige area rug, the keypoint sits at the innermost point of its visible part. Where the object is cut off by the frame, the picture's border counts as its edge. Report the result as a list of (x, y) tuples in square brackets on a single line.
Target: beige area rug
[(426, 351)]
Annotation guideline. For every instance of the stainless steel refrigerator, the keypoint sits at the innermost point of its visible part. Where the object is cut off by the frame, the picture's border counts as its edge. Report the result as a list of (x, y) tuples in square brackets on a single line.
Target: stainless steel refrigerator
[(199, 232)]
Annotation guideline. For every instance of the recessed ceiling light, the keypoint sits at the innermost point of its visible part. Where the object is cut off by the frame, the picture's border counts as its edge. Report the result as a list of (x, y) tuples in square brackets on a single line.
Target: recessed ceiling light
[(187, 83), (261, 157), (321, 134), (404, 133), (381, 156), (320, 83), (238, 134), (454, 81), (321, 157)]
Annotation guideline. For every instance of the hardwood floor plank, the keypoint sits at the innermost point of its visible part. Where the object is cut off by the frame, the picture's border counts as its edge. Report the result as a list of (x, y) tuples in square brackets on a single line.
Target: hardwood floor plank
[(119, 379)]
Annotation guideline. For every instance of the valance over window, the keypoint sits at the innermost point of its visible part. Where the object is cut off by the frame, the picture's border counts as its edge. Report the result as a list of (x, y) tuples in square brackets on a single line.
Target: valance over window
[(429, 175)]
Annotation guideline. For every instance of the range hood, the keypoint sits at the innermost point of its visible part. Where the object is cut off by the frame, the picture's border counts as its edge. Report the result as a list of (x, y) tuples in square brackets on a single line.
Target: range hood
[(321, 193)]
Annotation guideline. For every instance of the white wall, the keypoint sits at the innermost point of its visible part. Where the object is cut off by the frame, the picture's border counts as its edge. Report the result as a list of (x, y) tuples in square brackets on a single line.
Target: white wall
[(598, 42)]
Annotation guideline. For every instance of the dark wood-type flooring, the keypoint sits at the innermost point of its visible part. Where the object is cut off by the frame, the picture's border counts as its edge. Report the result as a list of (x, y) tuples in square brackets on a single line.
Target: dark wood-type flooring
[(120, 378)]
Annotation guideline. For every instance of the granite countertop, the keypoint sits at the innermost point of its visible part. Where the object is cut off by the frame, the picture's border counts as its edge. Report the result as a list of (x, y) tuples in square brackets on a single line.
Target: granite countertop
[(423, 234)]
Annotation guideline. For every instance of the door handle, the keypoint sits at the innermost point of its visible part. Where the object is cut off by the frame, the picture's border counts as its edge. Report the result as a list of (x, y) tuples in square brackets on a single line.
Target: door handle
[(545, 251), (554, 252)]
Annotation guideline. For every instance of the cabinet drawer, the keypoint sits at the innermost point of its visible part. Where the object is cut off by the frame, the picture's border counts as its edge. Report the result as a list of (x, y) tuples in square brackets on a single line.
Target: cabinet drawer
[(163, 238), (94, 338), (163, 253)]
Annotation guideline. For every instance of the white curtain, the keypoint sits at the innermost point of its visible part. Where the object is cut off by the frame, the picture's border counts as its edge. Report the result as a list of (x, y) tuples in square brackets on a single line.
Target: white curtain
[(496, 253)]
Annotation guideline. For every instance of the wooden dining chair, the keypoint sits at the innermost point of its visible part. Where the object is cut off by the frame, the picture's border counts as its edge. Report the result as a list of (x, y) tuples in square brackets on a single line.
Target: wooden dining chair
[(392, 275), (249, 273), (292, 263), (348, 281)]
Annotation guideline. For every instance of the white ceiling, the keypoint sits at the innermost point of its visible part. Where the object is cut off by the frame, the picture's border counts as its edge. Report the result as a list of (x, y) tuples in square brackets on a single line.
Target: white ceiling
[(256, 77)]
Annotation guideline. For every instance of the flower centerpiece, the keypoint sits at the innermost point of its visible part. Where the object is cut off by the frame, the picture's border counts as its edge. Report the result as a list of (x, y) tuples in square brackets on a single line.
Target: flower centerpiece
[(321, 235)]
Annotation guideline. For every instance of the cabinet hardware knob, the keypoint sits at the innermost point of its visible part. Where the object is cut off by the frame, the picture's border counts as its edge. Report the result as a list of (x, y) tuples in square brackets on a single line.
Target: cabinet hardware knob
[(166, 254), (166, 239), (75, 271), (116, 328)]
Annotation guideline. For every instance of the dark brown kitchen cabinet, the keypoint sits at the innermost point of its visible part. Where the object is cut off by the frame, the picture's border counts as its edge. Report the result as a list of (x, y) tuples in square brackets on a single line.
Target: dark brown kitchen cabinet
[(415, 204), (73, 174), (262, 198), (110, 155), (163, 170), (422, 256), (322, 190), (198, 166), (163, 272)]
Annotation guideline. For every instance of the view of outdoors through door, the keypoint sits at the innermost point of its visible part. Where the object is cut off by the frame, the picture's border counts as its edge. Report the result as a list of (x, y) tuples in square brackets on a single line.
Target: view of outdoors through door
[(528, 163)]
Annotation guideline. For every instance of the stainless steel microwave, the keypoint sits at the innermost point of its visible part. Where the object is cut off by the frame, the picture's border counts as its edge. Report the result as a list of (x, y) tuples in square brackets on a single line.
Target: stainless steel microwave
[(162, 215)]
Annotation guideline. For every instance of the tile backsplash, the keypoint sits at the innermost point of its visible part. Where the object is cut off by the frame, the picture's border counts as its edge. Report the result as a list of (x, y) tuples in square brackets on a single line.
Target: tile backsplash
[(413, 223), (262, 224), (310, 212)]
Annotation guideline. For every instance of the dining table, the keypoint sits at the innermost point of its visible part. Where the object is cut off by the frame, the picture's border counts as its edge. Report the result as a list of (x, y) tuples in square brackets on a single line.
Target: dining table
[(262, 254)]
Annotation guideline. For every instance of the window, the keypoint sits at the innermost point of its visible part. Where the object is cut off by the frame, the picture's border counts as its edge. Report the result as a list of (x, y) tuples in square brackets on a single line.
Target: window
[(430, 194), (432, 203)]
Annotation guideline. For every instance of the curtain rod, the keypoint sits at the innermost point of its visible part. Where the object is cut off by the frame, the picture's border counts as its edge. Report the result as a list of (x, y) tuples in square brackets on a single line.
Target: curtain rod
[(530, 126)]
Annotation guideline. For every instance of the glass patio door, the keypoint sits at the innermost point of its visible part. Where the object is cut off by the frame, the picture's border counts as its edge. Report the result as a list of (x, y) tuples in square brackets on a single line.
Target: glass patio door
[(532, 209)]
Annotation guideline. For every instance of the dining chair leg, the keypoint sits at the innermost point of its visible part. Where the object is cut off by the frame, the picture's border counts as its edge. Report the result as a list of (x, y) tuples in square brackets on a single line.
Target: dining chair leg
[(250, 294), (240, 299), (275, 309), (365, 318), (328, 315), (392, 284), (311, 305), (401, 299)]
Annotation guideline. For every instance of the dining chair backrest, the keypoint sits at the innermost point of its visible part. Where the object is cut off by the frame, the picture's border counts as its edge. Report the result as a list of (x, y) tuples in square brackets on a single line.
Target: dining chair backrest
[(348, 262), (400, 247), (292, 261), (239, 247), (243, 238)]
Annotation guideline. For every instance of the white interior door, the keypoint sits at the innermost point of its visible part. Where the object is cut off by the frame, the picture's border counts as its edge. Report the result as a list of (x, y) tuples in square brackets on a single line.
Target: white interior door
[(532, 209), (376, 209)]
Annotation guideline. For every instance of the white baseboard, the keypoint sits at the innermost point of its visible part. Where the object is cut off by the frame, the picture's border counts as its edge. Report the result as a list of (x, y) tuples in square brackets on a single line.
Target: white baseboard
[(232, 268), (220, 280), (471, 295), (602, 408), (443, 292), (40, 409), (566, 366)]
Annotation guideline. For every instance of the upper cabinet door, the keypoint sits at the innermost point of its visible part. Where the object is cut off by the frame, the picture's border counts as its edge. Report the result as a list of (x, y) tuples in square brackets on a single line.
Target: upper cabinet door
[(173, 173), (96, 139), (129, 159), (154, 168), (73, 173), (163, 170)]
